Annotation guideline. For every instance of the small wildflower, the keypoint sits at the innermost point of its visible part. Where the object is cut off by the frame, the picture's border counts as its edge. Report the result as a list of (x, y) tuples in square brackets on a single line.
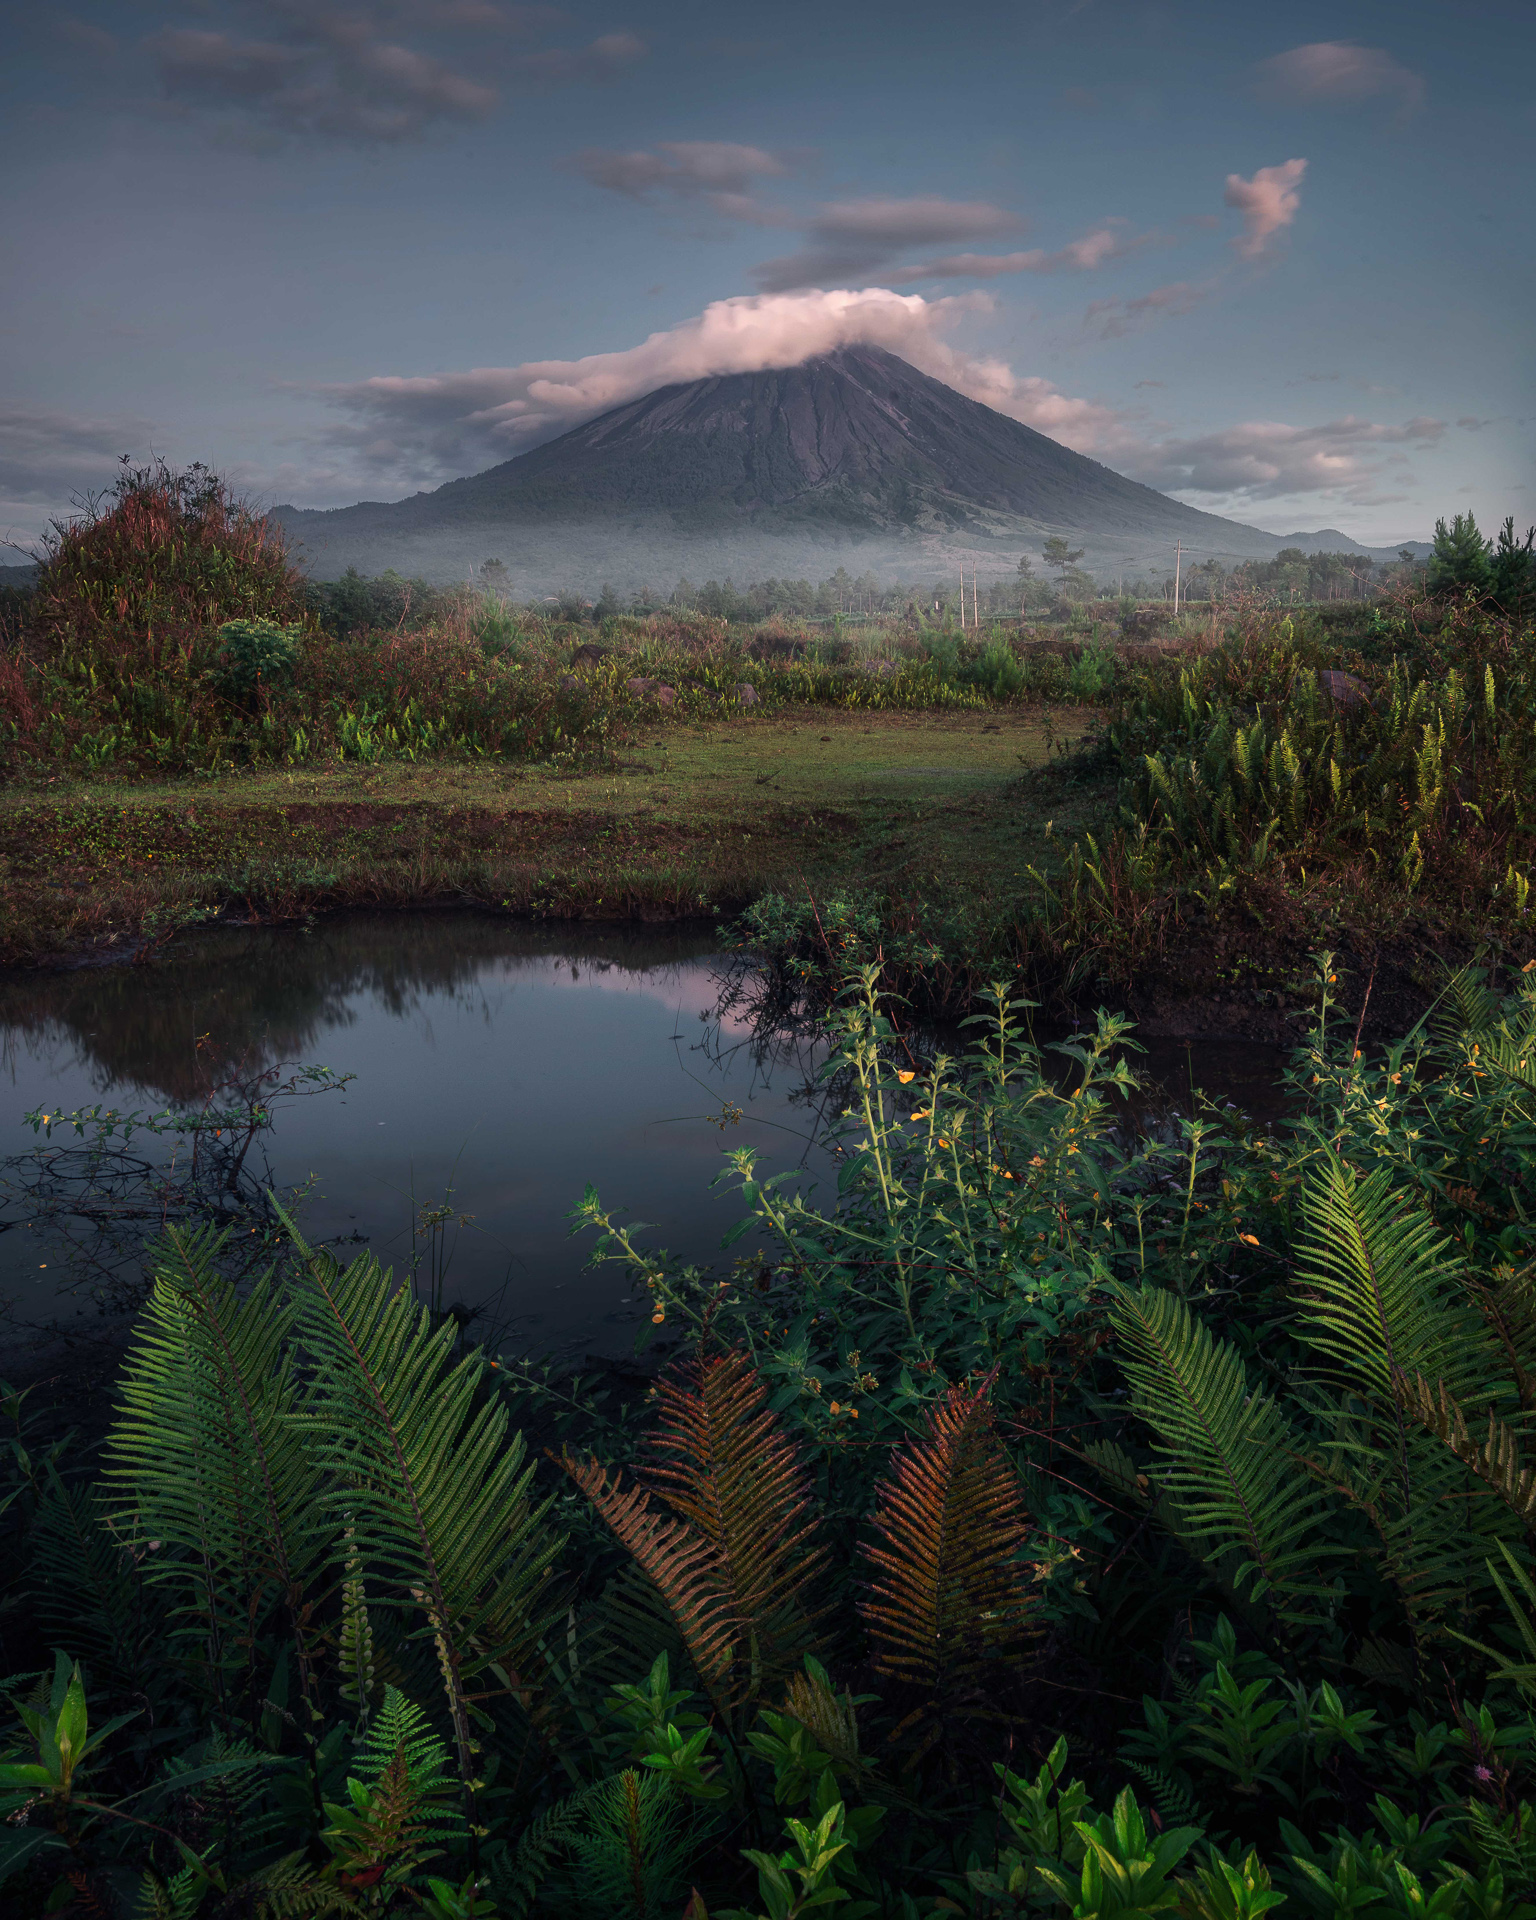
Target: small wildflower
[(1249, 1239), (906, 1079)]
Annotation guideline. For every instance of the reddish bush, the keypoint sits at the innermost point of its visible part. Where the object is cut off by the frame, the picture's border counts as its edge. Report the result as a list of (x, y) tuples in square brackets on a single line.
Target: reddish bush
[(140, 580)]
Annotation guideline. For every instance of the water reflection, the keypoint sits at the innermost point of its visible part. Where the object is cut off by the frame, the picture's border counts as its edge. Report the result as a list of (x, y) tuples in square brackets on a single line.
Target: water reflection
[(498, 1068), (508, 1064)]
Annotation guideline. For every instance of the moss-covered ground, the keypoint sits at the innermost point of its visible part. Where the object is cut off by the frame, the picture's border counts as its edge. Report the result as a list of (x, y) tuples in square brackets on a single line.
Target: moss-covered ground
[(690, 819)]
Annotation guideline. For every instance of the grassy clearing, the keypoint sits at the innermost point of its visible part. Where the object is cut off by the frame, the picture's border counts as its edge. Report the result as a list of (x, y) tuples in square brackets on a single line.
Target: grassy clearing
[(690, 819)]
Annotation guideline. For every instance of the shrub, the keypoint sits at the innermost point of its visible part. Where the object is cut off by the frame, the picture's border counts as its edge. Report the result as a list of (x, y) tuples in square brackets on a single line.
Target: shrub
[(255, 656), (139, 581)]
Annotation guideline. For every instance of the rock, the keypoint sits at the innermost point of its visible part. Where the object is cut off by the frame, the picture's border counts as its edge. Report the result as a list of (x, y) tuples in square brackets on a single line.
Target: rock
[(567, 681), (1343, 689), (882, 669), (589, 653), (746, 693), (656, 690)]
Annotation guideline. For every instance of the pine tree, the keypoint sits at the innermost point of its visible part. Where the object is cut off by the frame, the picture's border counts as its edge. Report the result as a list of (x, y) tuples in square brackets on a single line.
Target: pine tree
[(1459, 561), (1512, 574)]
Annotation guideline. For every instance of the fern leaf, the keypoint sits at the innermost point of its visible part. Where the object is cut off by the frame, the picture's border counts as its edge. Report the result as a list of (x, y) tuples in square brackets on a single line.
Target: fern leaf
[(206, 1464), (1240, 1499), (88, 1589), (1386, 1305), (435, 1491), (1500, 1460), (948, 1591), (683, 1567), (1387, 1298), (720, 1460)]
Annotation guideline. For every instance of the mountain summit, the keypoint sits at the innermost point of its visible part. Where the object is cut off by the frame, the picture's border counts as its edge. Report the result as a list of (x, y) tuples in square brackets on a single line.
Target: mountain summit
[(775, 470)]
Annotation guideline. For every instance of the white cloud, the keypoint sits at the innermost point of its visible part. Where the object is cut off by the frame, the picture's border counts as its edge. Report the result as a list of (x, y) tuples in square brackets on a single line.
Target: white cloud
[(417, 430), (1328, 70), (1268, 202)]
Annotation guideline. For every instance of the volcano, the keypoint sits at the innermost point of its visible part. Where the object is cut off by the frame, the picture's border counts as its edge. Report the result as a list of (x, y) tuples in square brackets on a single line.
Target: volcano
[(853, 448)]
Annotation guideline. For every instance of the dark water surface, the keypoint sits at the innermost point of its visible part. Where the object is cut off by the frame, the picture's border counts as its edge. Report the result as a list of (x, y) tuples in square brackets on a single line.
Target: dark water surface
[(512, 1063)]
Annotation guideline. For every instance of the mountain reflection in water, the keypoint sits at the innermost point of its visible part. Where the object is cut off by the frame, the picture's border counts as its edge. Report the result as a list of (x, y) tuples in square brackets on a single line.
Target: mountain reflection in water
[(514, 1064)]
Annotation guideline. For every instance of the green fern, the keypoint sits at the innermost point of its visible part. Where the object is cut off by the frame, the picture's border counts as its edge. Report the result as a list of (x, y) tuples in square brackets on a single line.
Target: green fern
[(1384, 1305), (209, 1467), (1238, 1495), (397, 1818), (436, 1493)]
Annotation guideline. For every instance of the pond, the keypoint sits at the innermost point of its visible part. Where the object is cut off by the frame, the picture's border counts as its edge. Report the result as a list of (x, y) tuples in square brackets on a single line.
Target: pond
[(509, 1064), (498, 1067)]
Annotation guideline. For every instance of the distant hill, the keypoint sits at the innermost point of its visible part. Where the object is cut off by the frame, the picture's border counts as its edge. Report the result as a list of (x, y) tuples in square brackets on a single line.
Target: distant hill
[(854, 456)]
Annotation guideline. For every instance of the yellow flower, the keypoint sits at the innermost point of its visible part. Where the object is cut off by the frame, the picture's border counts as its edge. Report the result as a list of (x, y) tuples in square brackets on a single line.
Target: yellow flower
[(657, 1317), (1249, 1239), (906, 1078), (923, 1113)]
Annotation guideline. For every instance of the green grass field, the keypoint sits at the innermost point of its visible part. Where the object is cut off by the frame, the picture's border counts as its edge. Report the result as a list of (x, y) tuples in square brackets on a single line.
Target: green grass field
[(694, 818)]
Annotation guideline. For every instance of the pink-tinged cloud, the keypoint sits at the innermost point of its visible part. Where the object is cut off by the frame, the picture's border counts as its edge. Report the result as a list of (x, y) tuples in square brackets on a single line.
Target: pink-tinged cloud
[(1329, 70), (1268, 203), (421, 429)]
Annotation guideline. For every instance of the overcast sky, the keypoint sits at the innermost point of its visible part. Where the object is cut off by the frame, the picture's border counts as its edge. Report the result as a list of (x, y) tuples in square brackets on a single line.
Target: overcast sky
[(1278, 261)]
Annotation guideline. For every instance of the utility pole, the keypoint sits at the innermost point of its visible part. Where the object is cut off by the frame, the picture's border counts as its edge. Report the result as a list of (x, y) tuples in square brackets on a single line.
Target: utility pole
[(962, 599), (1177, 560)]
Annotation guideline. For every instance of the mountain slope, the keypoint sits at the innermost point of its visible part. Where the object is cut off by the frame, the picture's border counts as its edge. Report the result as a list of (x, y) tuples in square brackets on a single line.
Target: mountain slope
[(854, 456), (856, 439)]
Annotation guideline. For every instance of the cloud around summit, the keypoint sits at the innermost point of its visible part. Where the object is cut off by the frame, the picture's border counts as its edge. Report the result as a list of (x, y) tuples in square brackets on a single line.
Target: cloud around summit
[(421, 429)]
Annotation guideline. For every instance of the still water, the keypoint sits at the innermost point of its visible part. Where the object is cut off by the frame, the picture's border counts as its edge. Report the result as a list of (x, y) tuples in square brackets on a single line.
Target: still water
[(496, 1070), (509, 1064)]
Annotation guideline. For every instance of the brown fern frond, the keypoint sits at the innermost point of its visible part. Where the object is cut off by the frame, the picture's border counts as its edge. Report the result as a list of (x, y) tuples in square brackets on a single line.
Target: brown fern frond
[(721, 1462), (684, 1569), (1508, 1305), (830, 1719), (948, 1590), (1499, 1461)]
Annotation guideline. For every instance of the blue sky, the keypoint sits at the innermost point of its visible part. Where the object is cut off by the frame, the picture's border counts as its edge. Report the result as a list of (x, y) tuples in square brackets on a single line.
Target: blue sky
[(1277, 261)]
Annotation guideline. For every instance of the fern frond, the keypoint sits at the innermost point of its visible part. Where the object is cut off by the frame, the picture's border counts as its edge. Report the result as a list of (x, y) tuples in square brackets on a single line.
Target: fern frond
[(1499, 1461), (517, 1877), (1386, 1304), (683, 1567), (289, 1889), (1172, 1798), (89, 1591), (205, 1462), (1239, 1498), (720, 1460), (948, 1590), (436, 1492), (1386, 1296)]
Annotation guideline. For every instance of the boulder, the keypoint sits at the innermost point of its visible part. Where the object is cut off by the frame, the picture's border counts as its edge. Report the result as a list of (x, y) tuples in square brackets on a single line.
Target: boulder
[(1343, 689), (746, 693), (567, 681), (657, 690), (589, 653)]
